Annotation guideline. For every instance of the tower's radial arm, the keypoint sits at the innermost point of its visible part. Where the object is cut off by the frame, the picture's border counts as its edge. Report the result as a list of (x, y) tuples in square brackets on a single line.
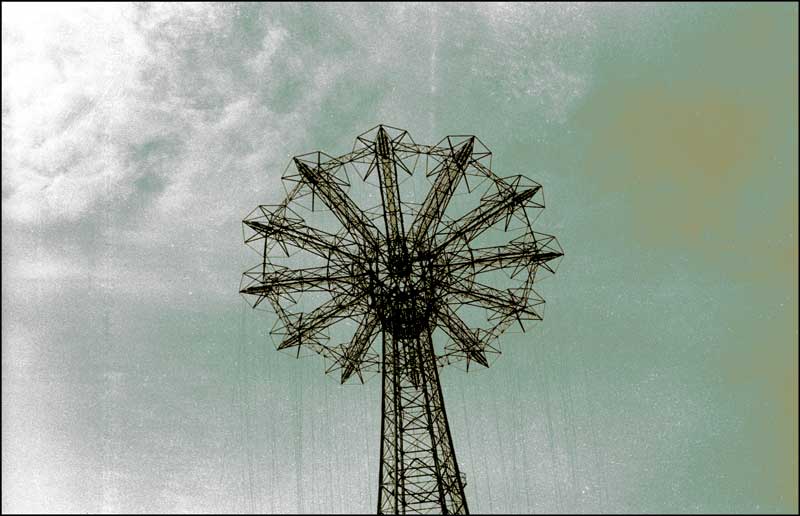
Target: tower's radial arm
[(299, 280), (283, 230), (491, 211), (500, 257), (307, 328), (465, 339), (505, 302), (354, 352), (350, 215), (435, 204), (390, 195)]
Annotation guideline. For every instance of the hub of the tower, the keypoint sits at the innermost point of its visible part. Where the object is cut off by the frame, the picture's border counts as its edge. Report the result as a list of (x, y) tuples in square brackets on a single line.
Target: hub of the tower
[(404, 295)]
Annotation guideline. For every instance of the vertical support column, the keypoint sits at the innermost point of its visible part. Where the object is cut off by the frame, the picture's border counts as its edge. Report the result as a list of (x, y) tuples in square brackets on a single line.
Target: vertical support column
[(418, 469), (390, 473), (449, 473)]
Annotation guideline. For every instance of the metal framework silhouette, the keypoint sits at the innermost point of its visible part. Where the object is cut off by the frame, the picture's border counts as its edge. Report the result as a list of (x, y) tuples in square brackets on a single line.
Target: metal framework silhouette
[(401, 258)]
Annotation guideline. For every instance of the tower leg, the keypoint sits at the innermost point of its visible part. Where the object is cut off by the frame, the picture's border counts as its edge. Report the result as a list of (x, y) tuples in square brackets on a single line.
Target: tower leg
[(418, 469)]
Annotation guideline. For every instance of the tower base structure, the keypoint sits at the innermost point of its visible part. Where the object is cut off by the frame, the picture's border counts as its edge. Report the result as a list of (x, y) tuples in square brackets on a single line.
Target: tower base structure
[(418, 470)]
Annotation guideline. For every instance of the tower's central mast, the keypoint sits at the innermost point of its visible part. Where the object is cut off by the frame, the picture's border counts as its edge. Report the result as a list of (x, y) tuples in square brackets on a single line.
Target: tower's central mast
[(418, 470)]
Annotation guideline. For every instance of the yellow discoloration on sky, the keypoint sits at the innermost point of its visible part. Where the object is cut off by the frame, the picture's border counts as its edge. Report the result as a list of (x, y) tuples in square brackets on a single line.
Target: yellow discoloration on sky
[(706, 157), (685, 153)]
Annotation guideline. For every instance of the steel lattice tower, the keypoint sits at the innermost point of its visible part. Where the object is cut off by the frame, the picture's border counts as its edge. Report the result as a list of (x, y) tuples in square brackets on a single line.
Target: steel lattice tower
[(355, 240)]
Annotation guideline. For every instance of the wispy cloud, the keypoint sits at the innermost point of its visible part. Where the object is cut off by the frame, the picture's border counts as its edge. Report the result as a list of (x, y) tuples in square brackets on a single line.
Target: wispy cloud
[(150, 124)]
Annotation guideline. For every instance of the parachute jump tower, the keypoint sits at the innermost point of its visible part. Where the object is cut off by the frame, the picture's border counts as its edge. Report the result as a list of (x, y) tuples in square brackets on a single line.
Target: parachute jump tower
[(401, 259)]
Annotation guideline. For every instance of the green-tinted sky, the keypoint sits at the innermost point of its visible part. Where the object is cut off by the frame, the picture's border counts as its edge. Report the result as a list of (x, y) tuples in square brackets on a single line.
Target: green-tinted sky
[(136, 137)]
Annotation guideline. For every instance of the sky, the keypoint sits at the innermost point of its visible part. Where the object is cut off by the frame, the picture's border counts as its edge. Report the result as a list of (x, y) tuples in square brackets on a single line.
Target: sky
[(136, 137)]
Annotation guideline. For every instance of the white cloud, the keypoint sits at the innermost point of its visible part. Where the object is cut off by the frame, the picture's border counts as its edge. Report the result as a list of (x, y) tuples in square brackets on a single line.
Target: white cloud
[(66, 72), (87, 85), (152, 124)]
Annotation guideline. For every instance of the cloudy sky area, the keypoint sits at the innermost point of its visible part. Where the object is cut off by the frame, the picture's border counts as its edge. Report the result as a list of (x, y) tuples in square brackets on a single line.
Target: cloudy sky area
[(137, 136)]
